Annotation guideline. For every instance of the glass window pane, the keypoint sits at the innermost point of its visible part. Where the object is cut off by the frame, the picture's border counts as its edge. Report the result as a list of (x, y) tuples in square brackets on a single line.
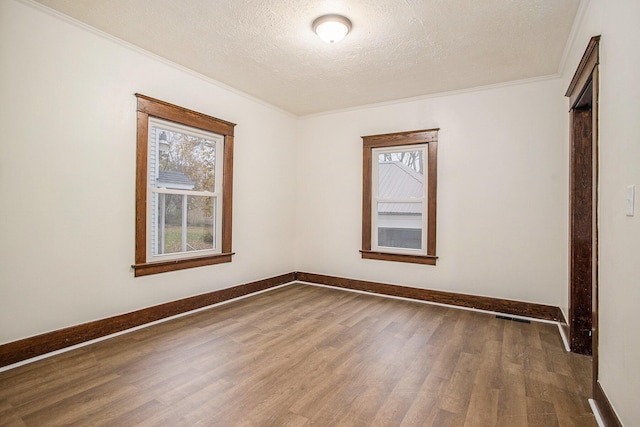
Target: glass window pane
[(184, 161), (400, 225), (200, 221), (171, 236), (169, 223), (401, 174)]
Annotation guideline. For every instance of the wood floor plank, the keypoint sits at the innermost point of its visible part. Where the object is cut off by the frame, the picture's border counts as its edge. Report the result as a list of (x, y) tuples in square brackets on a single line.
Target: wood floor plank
[(541, 413), (134, 416), (397, 405), (305, 355), (424, 406), (483, 407)]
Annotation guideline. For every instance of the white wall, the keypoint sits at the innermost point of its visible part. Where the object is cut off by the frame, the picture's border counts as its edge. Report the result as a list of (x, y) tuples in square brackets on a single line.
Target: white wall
[(67, 176), (619, 235), (502, 192)]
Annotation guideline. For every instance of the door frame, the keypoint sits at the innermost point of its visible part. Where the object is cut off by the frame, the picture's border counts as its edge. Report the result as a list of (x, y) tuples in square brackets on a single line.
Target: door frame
[(583, 206)]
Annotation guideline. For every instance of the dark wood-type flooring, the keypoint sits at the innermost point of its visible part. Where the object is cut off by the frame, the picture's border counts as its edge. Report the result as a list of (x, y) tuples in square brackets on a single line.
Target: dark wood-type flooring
[(306, 355)]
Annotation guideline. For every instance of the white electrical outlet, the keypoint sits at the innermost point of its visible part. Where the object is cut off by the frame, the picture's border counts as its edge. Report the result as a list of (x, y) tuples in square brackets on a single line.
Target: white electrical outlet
[(631, 190)]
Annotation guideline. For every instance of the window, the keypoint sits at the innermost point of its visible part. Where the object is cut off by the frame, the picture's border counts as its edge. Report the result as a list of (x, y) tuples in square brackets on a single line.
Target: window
[(183, 188), (399, 196)]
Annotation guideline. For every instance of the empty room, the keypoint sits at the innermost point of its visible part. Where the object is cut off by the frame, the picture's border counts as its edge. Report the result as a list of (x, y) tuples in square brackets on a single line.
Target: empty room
[(329, 213)]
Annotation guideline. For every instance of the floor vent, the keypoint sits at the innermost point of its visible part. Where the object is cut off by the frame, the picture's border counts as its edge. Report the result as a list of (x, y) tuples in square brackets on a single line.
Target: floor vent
[(514, 319)]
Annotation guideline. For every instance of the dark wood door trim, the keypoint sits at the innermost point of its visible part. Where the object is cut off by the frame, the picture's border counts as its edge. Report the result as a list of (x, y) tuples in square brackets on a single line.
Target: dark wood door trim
[(590, 60), (583, 96)]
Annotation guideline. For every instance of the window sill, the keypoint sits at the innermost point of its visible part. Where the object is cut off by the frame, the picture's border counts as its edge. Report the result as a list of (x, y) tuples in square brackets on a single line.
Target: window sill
[(179, 264), (386, 256)]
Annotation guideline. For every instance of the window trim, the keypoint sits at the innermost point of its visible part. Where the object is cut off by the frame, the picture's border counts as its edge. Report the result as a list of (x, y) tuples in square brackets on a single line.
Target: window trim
[(398, 139), (375, 198), (150, 107)]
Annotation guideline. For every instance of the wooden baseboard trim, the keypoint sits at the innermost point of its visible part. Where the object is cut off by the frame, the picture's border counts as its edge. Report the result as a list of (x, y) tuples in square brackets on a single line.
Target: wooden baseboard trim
[(518, 308), (607, 413), (38, 345)]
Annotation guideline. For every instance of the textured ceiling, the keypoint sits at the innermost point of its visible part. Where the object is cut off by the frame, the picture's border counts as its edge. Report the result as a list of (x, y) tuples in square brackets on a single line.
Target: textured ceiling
[(396, 49)]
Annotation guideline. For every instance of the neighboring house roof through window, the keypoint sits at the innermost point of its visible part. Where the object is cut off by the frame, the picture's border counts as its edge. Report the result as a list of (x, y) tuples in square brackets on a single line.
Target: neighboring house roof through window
[(174, 180)]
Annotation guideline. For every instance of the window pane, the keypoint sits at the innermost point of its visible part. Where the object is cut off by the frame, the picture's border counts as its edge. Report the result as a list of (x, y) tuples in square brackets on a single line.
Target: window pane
[(200, 221), (184, 161), (401, 175), (405, 238), (169, 223), (175, 233), (400, 225)]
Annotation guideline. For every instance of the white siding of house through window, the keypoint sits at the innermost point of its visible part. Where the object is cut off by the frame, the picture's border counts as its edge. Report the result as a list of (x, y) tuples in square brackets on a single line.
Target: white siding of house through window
[(399, 221), (398, 181), (152, 170)]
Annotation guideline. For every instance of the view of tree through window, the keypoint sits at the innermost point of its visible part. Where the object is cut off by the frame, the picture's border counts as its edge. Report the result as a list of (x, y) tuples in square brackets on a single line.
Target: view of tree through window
[(413, 159), (183, 170)]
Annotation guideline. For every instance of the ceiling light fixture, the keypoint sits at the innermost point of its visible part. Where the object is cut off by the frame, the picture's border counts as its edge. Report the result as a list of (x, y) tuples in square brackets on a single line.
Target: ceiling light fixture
[(332, 28)]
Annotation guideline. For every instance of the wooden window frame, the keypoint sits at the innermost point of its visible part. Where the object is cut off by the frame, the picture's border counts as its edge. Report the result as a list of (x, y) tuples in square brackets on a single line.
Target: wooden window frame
[(150, 107), (417, 137)]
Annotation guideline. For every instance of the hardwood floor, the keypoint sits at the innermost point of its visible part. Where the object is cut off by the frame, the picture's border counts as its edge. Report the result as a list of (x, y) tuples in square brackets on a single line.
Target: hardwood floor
[(305, 355)]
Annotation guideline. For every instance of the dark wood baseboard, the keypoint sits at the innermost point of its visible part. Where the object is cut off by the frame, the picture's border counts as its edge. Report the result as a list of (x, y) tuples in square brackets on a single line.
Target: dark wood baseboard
[(27, 348), (604, 407), (519, 308)]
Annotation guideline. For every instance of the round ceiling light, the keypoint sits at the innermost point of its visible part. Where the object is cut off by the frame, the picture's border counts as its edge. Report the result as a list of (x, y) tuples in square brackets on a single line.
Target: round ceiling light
[(332, 28)]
